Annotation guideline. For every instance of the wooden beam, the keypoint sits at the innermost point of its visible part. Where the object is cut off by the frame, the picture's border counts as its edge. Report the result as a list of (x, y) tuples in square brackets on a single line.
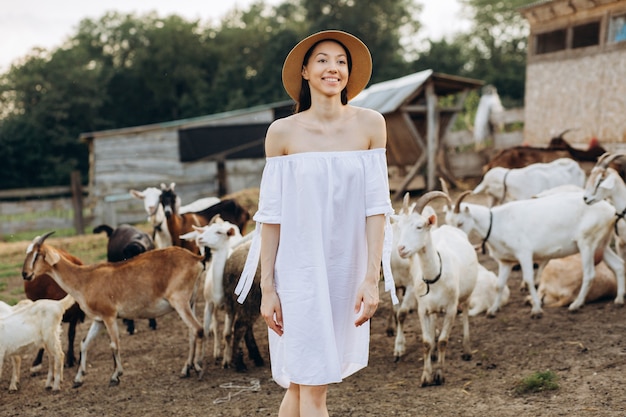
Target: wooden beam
[(432, 133), (420, 161)]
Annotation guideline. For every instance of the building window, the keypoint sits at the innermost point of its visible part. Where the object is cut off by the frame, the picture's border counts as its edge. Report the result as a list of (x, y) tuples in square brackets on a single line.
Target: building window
[(586, 35), (550, 41), (617, 29)]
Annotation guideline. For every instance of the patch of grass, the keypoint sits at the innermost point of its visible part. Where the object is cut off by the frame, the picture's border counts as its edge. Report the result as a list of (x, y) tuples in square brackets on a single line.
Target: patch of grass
[(28, 236), (537, 382)]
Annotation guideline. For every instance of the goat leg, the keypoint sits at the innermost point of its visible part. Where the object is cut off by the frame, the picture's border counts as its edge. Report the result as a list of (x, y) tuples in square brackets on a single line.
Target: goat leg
[(93, 331)]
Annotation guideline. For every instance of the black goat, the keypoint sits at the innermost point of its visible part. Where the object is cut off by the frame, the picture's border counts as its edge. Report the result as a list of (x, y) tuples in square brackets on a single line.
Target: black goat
[(125, 242)]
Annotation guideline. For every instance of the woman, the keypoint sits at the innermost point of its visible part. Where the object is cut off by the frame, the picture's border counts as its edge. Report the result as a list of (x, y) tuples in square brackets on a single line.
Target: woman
[(324, 197)]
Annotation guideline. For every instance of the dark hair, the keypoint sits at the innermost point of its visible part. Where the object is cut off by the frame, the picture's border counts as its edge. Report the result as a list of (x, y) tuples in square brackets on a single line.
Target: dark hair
[(304, 102)]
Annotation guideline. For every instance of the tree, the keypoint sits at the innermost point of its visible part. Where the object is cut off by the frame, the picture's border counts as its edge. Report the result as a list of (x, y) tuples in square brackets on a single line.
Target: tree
[(497, 43)]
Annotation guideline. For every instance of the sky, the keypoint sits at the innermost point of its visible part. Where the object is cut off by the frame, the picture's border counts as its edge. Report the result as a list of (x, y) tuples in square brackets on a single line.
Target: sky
[(25, 24)]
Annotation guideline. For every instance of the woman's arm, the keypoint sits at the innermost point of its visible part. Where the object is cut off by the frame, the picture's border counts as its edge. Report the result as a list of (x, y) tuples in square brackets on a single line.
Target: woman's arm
[(270, 303), (367, 297)]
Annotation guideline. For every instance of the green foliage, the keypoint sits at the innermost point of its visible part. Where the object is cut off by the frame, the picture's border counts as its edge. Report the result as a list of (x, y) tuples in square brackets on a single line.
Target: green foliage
[(537, 382), (126, 70)]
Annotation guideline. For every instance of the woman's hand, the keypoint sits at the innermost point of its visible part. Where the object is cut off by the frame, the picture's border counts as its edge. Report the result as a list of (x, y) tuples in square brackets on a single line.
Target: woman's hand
[(367, 299), (271, 310)]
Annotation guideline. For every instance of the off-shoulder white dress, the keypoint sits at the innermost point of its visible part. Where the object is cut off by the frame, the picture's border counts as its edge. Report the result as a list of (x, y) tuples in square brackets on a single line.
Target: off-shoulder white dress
[(321, 200)]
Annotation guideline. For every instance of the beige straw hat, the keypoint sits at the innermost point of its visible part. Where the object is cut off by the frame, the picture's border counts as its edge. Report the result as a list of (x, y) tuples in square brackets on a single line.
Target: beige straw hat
[(361, 62)]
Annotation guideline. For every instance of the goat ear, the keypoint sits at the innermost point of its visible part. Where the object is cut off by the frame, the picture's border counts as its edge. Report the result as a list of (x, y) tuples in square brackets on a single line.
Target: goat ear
[(51, 257), (189, 236), (231, 231), (137, 194), (172, 186), (432, 219)]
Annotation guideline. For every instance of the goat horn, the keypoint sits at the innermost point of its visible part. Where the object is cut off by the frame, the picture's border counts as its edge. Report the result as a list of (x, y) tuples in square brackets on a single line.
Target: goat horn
[(564, 132), (607, 158), (444, 188), (427, 198), (44, 237), (457, 203)]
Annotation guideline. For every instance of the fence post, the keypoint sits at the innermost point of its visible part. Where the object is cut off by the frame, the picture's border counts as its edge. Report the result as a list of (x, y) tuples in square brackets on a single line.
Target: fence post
[(77, 202)]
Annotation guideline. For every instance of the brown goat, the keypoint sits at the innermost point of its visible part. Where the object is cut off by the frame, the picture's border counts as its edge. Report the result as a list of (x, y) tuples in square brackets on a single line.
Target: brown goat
[(149, 285), (44, 287), (521, 156)]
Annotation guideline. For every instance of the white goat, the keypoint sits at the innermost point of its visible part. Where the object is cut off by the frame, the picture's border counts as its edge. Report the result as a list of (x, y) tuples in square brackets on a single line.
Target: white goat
[(485, 292), (149, 285), (220, 237), (605, 183), (156, 214), (561, 279), (503, 184), (32, 325), (401, 269), (538, 230), (403, 280), (444, 266)]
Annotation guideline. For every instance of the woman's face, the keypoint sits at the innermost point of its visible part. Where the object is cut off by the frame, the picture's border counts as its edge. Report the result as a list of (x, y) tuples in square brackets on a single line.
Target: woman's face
[(327, 68)]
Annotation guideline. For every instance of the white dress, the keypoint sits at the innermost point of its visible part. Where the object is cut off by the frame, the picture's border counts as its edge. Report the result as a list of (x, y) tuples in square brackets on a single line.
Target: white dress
[(321, 201)]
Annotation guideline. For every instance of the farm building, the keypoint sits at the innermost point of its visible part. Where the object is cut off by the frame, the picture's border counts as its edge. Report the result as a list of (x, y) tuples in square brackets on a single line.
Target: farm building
[(222, 153), (576, 69)]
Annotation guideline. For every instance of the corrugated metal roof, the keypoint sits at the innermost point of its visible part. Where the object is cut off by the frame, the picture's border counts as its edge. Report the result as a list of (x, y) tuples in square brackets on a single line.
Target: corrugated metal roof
[(388, 96)]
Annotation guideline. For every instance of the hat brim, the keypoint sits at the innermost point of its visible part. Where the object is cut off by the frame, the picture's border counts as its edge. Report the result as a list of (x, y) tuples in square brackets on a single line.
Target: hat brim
[(361, 62)]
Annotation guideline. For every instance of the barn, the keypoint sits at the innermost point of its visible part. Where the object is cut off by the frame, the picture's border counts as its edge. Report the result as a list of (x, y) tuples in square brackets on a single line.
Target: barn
[(223, 153), (576, 67)]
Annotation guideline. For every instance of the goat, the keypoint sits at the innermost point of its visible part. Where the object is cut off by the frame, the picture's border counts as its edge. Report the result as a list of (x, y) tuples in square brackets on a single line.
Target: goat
[(125, 242), (178, 224), (521, 156), (239, 318), (156, 216), (485, 292), (229, 209), (219, 237), (502, 184), (605, 183), (561, 279), (540, 229), (403, 279), (444, 266), (149, 285), (44, 287), (34, 325)]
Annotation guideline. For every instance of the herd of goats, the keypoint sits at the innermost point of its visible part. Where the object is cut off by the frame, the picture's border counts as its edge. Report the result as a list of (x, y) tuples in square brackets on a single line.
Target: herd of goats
[(564, 229)]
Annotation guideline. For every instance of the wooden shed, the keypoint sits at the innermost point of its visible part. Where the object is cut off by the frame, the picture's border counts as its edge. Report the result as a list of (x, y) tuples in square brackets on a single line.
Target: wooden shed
[(204, 156), (420, 110), (222, 153), (576, 71)]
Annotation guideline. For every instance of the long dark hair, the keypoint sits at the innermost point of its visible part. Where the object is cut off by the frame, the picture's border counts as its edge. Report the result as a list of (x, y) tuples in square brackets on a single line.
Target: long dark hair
[(304, 102)]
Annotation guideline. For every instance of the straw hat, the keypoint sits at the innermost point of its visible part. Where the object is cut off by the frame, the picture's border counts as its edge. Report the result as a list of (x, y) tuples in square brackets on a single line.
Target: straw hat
[(361, 62)]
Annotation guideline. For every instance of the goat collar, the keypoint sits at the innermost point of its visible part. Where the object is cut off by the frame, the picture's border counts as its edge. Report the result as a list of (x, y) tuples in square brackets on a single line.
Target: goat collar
[(432, 281), (156, 228), (488, 231), (506, 174)]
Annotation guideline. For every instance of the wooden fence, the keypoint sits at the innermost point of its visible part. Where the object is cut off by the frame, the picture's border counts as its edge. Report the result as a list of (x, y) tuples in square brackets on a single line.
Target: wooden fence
[(49, 208)]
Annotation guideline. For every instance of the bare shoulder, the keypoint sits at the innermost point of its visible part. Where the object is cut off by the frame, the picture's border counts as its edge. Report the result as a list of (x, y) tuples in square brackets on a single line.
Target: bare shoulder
[(373, 123), (276, 139)]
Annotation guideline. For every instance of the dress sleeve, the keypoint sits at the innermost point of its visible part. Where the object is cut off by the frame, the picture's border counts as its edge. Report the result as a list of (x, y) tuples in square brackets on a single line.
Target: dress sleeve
[(377, 199), (270, 208), (270, 195)]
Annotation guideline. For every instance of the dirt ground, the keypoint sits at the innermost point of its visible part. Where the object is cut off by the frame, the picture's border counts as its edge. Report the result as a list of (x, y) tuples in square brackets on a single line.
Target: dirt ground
[(586, 350)]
